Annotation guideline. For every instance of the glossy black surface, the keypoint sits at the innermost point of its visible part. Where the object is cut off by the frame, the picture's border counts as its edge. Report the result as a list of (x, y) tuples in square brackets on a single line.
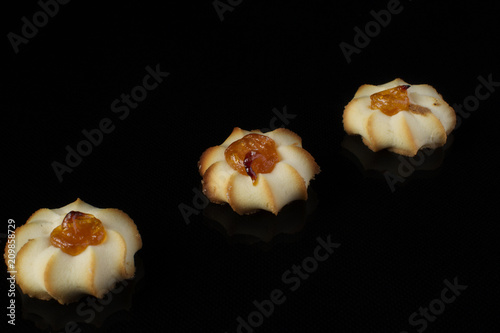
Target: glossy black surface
[(395, 245)]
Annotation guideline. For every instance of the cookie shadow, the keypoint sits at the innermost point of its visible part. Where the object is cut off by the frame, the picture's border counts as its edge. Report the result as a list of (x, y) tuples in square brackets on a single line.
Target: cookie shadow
[(376, 164), (89, 312), (262, 229)]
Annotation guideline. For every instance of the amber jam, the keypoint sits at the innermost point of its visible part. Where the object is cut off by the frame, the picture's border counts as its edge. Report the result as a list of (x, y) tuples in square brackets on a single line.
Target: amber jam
[(77, 231), (252, 154), (391, 101)]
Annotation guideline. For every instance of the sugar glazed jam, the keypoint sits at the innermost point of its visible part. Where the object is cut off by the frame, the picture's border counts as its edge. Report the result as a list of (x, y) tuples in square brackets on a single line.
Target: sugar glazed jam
[(252, 154), (77, 231), (391, 101)]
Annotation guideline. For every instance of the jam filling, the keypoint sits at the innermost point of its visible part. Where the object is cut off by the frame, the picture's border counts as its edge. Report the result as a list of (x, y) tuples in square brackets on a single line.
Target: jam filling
[(252, 154), (77, 231), (391, 101)]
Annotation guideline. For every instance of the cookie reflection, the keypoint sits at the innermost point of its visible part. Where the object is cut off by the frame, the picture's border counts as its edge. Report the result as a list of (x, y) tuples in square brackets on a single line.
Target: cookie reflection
[(262, 228), (385, 161), (86, 314)]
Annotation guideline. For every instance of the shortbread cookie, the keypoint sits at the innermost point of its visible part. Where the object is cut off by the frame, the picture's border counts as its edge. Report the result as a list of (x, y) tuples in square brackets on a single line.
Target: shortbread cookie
[(255, 170), (78, 249), (400, 117)]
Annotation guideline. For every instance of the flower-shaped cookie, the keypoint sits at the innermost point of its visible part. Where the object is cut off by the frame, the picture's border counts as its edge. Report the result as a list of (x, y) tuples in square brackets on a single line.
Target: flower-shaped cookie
[(400, 117), (74, 250), (255, 170)]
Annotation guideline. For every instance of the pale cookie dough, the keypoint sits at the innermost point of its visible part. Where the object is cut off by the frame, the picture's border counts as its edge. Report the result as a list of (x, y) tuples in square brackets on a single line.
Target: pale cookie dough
[(425, 124)]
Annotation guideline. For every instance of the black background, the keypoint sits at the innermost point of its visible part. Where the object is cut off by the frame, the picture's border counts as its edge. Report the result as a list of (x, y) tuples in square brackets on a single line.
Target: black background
[(397, 247)]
